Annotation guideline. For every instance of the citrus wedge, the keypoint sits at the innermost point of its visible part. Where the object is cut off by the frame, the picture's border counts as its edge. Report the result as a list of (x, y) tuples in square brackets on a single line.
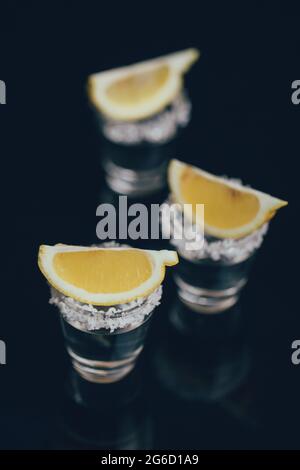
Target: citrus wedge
[(138, 91), (230, 209), (104, 276)]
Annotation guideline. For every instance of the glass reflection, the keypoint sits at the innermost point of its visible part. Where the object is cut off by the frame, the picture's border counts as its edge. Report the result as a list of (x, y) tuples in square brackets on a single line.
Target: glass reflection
[(104, 416), (202, 356)]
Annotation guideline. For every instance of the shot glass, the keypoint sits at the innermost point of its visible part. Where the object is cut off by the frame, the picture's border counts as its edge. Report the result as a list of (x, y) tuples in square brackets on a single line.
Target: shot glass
[(135, 155), (104, 342), (210, 276)]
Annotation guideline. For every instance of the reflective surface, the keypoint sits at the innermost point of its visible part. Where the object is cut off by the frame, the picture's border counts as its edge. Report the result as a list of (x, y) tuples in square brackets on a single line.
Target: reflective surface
[(114, 416), (198, 370), (243, 125)]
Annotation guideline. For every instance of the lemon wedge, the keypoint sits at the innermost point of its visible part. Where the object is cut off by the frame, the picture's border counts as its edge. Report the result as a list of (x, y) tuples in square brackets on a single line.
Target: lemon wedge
[(141, 90), (230, 209), (104, 276)]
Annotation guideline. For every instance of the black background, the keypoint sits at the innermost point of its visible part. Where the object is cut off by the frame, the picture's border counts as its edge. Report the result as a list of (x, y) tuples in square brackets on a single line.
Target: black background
[(244, 125)]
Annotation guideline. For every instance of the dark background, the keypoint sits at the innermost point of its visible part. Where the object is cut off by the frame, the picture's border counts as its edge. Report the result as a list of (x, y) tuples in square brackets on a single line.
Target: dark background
[(244, 125)]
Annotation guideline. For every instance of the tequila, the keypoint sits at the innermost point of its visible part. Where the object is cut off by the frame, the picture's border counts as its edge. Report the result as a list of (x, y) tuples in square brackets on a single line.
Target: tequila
[(135, 155), (105, 342), (118, 288), (210, 276), (216, 245), (141, 109)]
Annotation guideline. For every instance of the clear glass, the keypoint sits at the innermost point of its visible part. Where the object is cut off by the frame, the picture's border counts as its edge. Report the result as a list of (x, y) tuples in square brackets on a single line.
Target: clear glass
[(137, 171), (210, 276), (211, 286), (104, 343), (135, 155)]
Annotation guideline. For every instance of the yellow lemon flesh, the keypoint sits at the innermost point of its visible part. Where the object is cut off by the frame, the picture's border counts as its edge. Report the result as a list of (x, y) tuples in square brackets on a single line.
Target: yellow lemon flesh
[(225, 207), (230, 210), (103, 271), (104, 276), (133, 90)]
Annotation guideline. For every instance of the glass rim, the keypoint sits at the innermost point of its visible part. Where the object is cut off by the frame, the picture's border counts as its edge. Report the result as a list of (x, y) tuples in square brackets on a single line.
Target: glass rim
[(227, 250), (89, 317), (158, 129)]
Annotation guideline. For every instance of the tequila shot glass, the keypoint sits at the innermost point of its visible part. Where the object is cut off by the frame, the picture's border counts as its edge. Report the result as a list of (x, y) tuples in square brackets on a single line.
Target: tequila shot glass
[(141, 109), (135, 155), (106, 296), (104, 342), (210, 276)]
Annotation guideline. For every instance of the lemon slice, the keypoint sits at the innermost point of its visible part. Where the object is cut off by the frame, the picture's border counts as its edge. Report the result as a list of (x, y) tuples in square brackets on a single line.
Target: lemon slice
[(230, 209), (104, 276), (138, 91)]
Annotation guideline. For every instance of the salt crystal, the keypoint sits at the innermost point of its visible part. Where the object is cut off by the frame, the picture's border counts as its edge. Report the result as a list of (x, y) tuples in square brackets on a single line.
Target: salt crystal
[(90, 317), (159, 129)]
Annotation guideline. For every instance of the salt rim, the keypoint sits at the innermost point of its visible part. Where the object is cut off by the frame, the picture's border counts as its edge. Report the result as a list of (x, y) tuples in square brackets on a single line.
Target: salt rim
[(89, 317), (228, 250), (157, 130)]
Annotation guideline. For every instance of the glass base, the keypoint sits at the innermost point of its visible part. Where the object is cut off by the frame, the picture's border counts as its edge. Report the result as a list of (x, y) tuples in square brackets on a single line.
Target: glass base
[(135, 182), (208, 300), (103, 356), (103, 371)]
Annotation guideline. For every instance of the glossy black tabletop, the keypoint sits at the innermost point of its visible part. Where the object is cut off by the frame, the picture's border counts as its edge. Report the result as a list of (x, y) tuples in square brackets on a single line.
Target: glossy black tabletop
[(228, 383)]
